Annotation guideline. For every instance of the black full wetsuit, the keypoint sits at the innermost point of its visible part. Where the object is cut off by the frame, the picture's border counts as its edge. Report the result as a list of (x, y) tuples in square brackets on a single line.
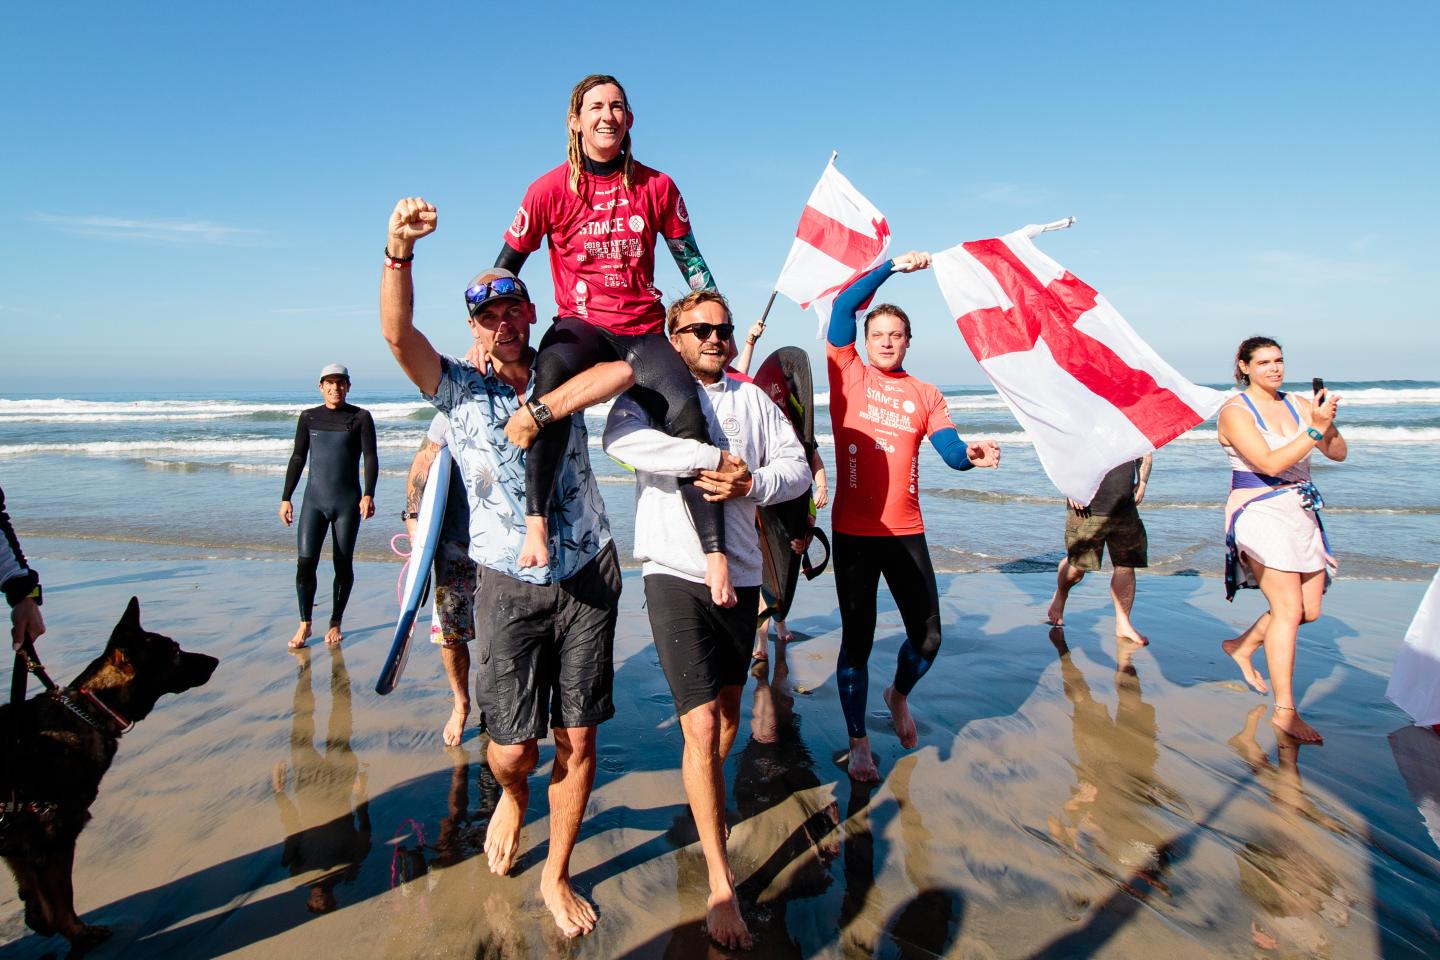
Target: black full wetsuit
[(334, 441)]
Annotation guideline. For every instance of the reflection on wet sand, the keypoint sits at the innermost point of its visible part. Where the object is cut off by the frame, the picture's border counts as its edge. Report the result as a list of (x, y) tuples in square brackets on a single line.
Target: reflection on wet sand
[(1109, 822), (1297, 897), (327, 822)]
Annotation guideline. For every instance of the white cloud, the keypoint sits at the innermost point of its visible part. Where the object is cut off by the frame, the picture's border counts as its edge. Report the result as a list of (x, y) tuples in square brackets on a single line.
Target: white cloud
[(1293, 266), (164, 231)]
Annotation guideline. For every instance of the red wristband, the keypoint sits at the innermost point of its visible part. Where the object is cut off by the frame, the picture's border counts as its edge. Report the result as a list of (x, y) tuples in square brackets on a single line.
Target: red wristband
[(394, 264)]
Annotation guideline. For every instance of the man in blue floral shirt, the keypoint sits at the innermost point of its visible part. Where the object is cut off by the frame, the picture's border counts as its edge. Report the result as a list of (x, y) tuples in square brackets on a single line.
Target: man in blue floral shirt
[(544, 635)]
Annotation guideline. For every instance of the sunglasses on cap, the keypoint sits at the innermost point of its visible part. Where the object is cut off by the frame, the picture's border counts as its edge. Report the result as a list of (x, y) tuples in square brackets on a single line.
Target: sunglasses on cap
[(703, 331), (482, 293)]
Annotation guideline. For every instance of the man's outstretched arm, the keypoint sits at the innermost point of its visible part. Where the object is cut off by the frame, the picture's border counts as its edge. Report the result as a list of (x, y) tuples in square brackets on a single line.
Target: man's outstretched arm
[(411, 219)]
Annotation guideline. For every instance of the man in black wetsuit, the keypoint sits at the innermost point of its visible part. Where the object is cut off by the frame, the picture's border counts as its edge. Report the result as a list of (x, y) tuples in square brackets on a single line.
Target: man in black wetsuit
[(334, 436)]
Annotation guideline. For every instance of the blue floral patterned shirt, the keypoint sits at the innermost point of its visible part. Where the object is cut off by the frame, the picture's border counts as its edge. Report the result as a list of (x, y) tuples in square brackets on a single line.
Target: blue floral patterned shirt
[(478, 404)]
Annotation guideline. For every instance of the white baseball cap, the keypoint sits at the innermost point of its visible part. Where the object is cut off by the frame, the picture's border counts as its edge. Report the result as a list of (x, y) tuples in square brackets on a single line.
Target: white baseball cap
[(335, 370)]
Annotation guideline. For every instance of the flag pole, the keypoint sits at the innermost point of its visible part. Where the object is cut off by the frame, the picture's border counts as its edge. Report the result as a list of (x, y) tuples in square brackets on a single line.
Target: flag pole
[(1058, 225), (771, 302)]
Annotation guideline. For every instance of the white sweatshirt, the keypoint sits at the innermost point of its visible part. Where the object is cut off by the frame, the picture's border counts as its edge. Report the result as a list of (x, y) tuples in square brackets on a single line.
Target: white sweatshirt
[(743, 421)]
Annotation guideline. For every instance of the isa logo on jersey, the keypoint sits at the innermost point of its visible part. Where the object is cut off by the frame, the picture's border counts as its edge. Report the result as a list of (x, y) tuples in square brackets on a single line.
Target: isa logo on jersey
[(520, 224)]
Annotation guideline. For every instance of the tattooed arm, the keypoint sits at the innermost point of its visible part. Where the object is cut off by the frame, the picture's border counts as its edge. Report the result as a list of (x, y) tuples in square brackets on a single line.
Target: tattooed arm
[(415, 482)]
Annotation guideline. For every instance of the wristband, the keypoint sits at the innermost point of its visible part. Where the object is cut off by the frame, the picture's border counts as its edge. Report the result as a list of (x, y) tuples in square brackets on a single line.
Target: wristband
[(1315, 435), (408, 515), (397, 263)]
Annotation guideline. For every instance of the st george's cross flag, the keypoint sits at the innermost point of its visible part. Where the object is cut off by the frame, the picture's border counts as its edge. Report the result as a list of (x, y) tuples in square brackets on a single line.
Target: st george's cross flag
[(840, 238), (1087, 390)]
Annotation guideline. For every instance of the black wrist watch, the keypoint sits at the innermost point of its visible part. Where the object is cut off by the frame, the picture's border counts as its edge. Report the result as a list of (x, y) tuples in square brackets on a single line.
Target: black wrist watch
[(540, 412), (408, 515)]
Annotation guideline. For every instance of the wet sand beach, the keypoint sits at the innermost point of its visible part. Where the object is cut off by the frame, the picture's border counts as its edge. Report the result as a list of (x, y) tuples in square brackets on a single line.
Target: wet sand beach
[(1067, 799)]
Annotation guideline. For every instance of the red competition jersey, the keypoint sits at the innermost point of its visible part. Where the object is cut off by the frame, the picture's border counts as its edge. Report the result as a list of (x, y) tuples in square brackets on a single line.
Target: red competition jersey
[(602, 243), (879, 420)]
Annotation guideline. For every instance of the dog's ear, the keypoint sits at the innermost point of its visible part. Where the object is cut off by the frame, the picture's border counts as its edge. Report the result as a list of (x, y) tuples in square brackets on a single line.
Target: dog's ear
[(129, 625), (116, 660)]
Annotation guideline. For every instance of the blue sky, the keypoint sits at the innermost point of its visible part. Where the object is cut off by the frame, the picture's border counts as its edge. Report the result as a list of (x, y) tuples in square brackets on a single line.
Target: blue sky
[(195, 195)]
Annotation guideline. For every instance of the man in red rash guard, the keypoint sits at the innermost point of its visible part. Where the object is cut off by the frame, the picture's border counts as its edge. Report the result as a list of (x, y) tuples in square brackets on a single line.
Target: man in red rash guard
[(601, 212), (881, 413)]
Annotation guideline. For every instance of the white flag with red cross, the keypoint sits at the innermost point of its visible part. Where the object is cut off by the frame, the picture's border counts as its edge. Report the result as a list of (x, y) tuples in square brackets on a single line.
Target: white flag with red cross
[(1087, 390), (840, 238)]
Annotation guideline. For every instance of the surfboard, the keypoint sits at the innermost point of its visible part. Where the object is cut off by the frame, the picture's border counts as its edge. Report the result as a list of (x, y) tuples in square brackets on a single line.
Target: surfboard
[(785, 378), (417, 575)]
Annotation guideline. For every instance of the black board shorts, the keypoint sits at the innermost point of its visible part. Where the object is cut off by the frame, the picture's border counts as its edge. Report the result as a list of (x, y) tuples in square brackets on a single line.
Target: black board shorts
[(545, 652), (702, 647)]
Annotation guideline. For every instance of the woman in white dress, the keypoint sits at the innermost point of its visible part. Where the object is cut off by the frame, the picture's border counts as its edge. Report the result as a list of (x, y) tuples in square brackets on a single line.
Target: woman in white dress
[(1274, 536)]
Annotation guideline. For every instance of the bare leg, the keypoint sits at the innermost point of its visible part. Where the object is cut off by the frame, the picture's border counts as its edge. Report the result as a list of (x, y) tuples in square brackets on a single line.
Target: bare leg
[(570, 781), (1242, 648), (1282, 589), (1066, 577), (535, 551), (511, 765), (297, 642), (334, 637), (861, 765), (456, 659), (762, 636), (900, 718), (702, 768), (717, 578), (1122, 591)]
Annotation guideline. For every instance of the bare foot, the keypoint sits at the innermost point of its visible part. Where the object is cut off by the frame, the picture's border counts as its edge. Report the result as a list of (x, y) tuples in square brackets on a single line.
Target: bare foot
[(1232, 649), (861, 765), (521, 429), (1055, 616), (900, 718), (573, 913), (1287, 720), (333, 636), (761, 650), (782, 632), (502, 836), (1133, 635), (534, 552), (717, 578), (297, 642), (454, 730), (723, 922)]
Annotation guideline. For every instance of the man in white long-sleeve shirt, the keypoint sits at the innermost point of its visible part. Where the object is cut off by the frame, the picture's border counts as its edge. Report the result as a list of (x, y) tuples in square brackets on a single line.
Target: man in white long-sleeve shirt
[(754, 459)]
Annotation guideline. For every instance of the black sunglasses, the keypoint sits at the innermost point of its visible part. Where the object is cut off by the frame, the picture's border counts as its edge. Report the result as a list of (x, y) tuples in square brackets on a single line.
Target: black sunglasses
[(703, 331)]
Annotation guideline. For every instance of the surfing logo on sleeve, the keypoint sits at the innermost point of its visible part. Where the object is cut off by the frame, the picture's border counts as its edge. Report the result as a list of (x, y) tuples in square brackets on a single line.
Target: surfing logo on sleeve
[(680, 210), (520, 224)]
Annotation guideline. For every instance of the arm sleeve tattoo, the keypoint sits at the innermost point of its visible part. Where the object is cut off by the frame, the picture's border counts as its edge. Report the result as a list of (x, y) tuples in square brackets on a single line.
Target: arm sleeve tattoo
[(691, 263)]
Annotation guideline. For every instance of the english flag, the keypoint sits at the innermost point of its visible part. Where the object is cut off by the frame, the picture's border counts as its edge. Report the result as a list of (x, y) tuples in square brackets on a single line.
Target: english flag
[(841, 237), (1090, 393)]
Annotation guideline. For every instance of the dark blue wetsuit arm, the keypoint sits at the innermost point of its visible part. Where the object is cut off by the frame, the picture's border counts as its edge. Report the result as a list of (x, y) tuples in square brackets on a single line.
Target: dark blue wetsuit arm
[(297, 456), (510, 259), (367, 447), (842, 312), (954, 451)]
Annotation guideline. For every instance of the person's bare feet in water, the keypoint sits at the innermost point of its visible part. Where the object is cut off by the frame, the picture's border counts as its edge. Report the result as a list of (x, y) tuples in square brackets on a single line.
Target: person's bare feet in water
[(302, 635), (535, 552), (454, 730), (723, 922), (573, 914), (334, 637), (1234, 649), (717, 578), (502, 836), (1128, 632), (1287, 720), (521, 429), (1055, 616), (861, 765), (783, 633), (900, 718)]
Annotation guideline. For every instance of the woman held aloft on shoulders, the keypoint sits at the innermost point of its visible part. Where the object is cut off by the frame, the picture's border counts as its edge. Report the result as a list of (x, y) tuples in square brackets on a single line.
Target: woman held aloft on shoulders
[(1275, 539)]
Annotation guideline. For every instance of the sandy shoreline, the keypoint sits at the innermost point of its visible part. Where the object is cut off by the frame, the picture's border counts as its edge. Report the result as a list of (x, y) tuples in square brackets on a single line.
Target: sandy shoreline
[(1055, 807)]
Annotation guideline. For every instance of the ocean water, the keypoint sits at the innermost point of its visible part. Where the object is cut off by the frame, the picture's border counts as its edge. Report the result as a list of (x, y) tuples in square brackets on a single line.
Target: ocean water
[(116, 475)]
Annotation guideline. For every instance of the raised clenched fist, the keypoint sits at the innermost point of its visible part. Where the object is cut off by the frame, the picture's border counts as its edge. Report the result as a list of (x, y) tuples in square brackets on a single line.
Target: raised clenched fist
[(412, 219)]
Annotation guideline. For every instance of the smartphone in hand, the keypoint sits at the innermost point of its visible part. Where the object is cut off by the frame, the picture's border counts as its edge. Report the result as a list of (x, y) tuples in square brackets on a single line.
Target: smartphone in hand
[(1317, 385)]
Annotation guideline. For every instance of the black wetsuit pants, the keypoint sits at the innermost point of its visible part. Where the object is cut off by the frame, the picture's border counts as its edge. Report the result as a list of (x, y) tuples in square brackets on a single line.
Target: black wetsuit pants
[(859, 562), (663, 387)]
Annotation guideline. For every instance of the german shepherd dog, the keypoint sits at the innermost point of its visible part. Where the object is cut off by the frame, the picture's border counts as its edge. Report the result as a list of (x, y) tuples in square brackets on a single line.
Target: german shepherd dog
[(54, 749)]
